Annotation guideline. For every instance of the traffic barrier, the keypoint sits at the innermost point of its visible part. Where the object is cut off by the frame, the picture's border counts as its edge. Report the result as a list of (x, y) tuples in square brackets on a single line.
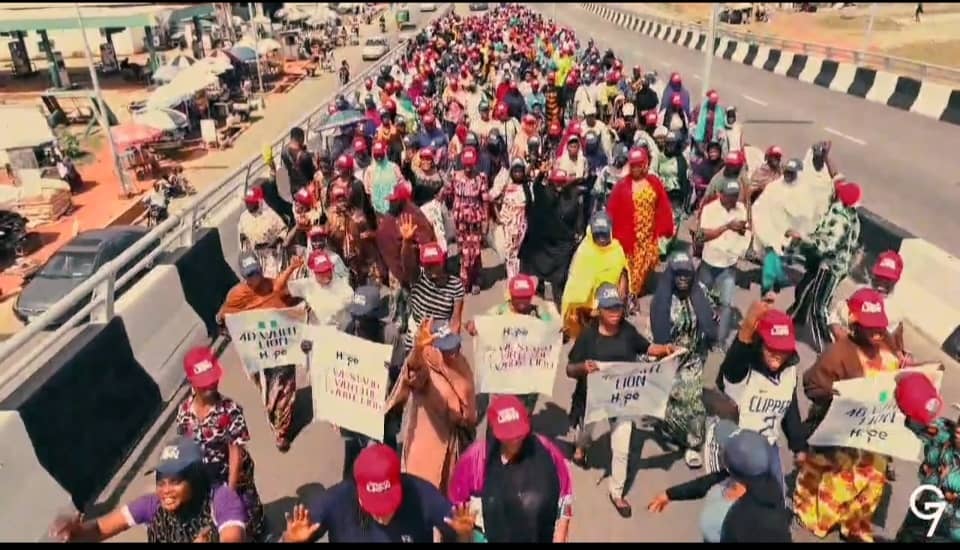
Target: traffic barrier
[(161, 326), (206, 275), (82, 412), (923, 97), (929, 285), (24, 480)]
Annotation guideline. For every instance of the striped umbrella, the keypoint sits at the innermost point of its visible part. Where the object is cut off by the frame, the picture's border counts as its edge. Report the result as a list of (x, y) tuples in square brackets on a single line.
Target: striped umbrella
[(182, 61), (132, 134)]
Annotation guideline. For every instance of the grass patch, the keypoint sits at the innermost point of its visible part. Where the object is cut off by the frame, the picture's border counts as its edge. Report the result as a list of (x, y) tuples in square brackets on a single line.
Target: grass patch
[(945, 53)]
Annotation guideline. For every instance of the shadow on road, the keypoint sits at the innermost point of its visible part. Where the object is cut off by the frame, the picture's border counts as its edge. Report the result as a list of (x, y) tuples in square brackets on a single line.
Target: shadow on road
[(274, 511)]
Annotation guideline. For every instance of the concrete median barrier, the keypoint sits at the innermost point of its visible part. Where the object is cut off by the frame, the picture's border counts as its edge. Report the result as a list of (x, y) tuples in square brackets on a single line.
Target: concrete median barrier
[(82, 411), (205, 276), (923, 97)]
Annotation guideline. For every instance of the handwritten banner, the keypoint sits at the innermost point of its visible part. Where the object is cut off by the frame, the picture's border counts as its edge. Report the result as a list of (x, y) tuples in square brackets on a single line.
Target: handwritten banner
[(865, 416), (630, 390), (516, 354), (267, 338), (348, 376)]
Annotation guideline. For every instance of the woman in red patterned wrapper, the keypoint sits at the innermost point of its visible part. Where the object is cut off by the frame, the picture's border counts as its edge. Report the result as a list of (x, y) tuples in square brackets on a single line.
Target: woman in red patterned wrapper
[(641, 214), (470, 209)]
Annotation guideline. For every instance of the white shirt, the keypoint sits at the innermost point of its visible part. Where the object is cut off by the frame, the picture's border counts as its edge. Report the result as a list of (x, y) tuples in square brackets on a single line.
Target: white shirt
[(573, 168), (763, 402), (725, 250), (325, 301)]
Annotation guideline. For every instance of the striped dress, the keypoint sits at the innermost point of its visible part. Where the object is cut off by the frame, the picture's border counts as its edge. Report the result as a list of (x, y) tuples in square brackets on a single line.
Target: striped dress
[(431, 301)]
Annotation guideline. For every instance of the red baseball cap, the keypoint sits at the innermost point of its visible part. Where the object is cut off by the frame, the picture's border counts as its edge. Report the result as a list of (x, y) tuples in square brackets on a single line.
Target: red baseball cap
[(917, 397), (202, 368), (676, 100), (305, 198), (849, 194), (254, 195), (675, 78), (713, 97), (638, 157), (508, 418), (345, 162), (733, 160), (319, 262), (402, 191), (432, 254), (469, 157), (777, 331), (429, 119), (359, 145), (379, 149), (318, 231), (889, 266), (867, 309), (377, 475), (427, 154), (650, 119), (522, 286)]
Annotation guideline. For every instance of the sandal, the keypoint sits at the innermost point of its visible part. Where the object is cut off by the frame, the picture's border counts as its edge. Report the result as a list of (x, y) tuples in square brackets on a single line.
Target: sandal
[(625, 510), (283, 445), (693, 459)]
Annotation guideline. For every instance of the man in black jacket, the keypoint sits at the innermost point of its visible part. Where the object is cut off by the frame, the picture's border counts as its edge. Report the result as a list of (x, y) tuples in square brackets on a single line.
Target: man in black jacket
[(297, 161)]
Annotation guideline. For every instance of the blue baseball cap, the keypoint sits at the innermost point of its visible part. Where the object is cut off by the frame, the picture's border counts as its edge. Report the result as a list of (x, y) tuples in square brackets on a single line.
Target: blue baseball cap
[(600, 225), (367, 302), (445, 338), (250, 265), (746, 453), (178, 455), (608, 297)]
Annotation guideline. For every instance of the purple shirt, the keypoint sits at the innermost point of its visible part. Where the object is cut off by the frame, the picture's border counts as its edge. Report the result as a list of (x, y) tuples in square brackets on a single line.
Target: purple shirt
[(227, 509)]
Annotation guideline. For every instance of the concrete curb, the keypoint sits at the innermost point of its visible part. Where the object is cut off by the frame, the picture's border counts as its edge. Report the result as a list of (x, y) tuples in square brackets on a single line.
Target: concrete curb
[(922, 97)]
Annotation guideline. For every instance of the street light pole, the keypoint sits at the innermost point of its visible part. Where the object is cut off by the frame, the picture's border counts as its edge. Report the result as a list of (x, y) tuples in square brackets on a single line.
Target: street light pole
[(256, 45), (102, 107), (708, 50), (868, 34)]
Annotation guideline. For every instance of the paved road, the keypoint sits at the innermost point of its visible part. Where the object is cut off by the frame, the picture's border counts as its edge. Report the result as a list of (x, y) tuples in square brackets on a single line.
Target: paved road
[(906, 163), (315, 459)]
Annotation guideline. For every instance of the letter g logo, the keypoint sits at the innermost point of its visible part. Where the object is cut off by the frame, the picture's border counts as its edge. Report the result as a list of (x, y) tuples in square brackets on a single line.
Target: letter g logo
[(932, 510)]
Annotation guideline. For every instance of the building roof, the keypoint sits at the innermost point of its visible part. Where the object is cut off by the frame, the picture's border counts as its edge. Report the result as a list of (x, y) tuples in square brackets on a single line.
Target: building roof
[(17, 17), (32, 127)]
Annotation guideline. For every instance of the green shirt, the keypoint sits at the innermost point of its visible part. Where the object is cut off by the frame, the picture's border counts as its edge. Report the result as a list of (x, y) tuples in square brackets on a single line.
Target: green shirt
[(539, 312), (837, 238)]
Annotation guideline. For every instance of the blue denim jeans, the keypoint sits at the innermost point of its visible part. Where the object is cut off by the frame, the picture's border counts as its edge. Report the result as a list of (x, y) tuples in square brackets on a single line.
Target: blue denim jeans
[(723, 281)]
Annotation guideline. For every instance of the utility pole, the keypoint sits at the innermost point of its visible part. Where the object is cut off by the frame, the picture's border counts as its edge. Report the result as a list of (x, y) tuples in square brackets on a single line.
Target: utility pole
[(869, 33), (256, 45), (102, 107), (708, 50)]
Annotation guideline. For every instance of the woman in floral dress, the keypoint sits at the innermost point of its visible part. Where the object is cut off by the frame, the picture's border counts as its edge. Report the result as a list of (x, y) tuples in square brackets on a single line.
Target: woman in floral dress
[(841, 487), (642, 215), (218, 425), (510, 210), (681, 314), (470, 207)]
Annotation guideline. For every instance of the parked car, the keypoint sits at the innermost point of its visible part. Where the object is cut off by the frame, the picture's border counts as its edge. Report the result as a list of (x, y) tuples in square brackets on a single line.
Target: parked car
[(478, 6), (70, 266), (374, 48), (428, 6)]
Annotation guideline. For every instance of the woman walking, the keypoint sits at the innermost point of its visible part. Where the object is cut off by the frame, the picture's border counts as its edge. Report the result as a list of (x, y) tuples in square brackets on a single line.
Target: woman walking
[(510, 213), (642, 215), (470, 207), (218, 425), (278, 386), (682, 315)]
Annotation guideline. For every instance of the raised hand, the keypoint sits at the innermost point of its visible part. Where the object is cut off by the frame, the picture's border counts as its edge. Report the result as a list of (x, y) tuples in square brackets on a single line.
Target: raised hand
[(407, 227), (299, 527)]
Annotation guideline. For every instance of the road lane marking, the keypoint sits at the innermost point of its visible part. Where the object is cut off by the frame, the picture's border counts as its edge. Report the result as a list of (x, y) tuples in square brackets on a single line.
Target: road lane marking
[(696, 76), (663, 63), (858, 141), (755, 100)]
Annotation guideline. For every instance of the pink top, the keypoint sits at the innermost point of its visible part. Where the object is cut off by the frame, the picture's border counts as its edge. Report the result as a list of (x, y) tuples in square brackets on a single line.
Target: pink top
[(470, 475)]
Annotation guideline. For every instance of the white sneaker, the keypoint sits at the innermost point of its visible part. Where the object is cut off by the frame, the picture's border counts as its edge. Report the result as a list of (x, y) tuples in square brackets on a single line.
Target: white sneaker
[(693, 459)]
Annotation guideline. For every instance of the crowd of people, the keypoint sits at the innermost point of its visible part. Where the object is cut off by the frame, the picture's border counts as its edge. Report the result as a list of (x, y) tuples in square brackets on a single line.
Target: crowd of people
[(504, 130)]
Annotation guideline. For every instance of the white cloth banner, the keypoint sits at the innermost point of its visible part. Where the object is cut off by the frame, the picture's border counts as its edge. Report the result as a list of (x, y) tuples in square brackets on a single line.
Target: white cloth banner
[(630, 390), (348, 377), (516, 354), (865, 416), (324, 303), (267, 338)]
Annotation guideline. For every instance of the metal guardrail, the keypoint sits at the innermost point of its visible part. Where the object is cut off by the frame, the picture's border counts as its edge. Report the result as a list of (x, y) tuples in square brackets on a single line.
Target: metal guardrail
[(891, 64), (177, 231)]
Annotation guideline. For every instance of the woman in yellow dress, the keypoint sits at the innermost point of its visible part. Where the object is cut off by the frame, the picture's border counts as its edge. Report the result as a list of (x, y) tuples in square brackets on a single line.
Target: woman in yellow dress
[(842, 487), (599, 259)]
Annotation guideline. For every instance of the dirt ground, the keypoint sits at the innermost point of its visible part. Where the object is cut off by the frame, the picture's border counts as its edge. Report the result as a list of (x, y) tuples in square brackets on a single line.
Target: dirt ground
[(895, 32)]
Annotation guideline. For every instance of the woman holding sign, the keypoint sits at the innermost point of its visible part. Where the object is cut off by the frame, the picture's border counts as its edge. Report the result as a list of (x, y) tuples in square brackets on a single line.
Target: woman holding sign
[(608, 339), (259, 292), (842, 487)]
